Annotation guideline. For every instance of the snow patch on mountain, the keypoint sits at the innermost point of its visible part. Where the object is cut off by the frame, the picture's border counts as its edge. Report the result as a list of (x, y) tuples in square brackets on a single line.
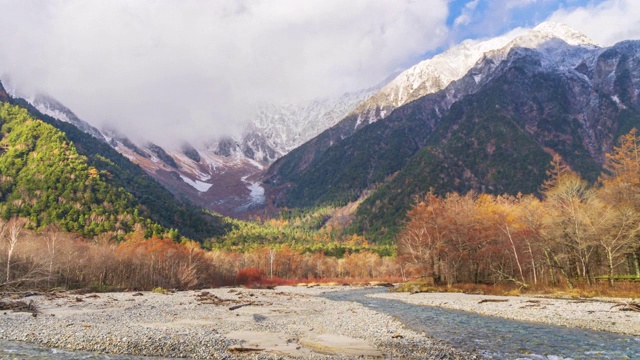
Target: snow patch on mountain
[(197, 184), (256, 194)]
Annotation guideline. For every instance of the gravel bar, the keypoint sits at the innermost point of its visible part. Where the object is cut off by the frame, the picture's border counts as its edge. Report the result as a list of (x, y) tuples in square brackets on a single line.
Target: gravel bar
[(224, 323)]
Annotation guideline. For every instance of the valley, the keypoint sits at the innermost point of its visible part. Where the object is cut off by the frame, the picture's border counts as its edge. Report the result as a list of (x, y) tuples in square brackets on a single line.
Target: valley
[(233, 221)]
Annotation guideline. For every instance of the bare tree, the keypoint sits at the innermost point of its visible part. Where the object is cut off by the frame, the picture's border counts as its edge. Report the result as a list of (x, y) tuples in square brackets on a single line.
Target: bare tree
[(15, 227), (568, 222), (271, 255), (51, 235)]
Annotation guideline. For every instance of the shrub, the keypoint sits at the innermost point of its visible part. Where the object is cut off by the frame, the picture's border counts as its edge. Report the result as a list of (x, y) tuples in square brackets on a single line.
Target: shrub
[(159, 290), (249, 276)]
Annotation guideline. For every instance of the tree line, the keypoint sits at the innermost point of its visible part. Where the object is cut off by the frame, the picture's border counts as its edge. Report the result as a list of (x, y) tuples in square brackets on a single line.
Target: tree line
[(54, 258)]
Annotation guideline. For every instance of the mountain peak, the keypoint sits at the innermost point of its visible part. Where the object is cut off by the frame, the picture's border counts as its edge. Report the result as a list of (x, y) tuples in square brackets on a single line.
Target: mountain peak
[(564, 32), (434, 74)]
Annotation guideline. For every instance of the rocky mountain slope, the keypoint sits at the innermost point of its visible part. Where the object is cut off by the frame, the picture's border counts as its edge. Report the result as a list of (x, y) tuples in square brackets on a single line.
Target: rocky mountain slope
[(548, 90), (284, 128)]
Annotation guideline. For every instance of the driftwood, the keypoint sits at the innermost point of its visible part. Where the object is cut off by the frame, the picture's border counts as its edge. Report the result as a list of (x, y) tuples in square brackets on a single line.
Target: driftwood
[(491, 300), (206, 297), (240, 348), (235, 307), (627, 306), (19, 294), (19, 306)]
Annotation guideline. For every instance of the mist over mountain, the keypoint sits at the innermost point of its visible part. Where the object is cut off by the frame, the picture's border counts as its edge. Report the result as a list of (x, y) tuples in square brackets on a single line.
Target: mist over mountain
[(218, 174), (483, 115)]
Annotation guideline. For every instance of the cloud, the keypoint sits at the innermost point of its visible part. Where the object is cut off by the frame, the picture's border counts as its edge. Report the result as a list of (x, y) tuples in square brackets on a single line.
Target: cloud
[(467, 13), (167, 70), (607, 23)]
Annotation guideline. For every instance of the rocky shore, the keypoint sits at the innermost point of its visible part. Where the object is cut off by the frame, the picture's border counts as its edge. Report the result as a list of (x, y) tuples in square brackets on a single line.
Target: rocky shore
[(227, 323), (601, 314)]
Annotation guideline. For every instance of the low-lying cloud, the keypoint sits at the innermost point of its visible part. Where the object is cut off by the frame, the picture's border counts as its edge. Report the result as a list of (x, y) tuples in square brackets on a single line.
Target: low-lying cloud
[(170, 70), (167, 71)]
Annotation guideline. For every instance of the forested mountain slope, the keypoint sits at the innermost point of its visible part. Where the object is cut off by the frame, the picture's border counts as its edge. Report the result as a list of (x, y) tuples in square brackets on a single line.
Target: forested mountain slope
[(54, 173)]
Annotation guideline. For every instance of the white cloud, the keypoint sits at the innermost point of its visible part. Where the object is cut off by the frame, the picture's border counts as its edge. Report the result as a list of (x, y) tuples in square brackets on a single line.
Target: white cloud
[(607, 23), (186, 69), (467, 13)]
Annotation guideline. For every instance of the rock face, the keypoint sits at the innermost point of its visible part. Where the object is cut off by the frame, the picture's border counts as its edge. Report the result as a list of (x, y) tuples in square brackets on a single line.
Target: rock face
[(276, 130), (546, 91), (219, 175), (435, 74), (3, 93)]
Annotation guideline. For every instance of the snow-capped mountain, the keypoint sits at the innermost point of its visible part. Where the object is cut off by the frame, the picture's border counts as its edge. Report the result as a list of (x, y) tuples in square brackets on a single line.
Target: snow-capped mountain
[(558, 45), (436, 73), (275, 130), (222, 183)]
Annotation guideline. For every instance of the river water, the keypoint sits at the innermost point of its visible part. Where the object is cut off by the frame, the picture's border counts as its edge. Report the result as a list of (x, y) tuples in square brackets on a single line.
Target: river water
[(21, 350), (491, 337), (497, 338)]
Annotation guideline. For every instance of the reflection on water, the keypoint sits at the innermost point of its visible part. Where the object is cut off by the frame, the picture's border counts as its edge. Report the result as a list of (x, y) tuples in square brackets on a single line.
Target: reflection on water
[(498, 338)]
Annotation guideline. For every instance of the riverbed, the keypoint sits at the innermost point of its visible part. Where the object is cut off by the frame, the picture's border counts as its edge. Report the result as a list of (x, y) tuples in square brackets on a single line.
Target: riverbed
[(231, 323), (315, 322)]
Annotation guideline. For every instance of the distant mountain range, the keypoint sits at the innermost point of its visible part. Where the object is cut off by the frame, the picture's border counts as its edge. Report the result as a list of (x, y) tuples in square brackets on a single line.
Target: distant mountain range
[(527, 96), (484, 115)]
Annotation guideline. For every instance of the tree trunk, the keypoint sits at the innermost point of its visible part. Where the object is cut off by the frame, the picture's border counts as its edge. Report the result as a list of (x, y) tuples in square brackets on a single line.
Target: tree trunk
[(533, 264), (515, 255), (610, 258)]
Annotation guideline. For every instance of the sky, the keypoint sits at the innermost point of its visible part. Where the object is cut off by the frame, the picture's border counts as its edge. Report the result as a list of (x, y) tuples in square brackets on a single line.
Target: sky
[(168, 71)]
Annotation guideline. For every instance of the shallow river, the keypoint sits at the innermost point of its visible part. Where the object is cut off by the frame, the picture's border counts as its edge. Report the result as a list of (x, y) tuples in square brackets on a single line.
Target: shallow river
[(21, 350), (497, 338)]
